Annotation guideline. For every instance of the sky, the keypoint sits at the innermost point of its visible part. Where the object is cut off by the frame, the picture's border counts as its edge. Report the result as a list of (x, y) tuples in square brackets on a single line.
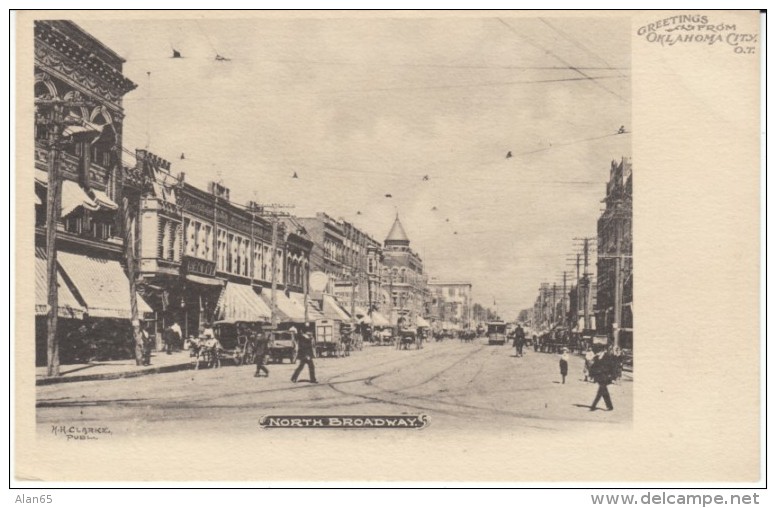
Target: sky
[(425, 110)]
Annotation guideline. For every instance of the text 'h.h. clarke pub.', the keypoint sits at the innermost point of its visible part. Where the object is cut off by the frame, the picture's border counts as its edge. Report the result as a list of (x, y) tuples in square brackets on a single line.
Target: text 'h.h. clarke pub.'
[(133, 245)]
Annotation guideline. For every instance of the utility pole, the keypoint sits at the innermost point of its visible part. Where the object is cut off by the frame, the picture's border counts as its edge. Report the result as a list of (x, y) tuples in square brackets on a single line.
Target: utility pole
[(586, 279), (554, 306), (353, 279), (54, 122), (617, 285), (53, 204), (563, 299)]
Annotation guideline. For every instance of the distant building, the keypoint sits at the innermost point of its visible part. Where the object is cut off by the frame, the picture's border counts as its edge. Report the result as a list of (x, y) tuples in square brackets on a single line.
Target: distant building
[(404, 280), (350, 258), (615, 249), (451, 302)]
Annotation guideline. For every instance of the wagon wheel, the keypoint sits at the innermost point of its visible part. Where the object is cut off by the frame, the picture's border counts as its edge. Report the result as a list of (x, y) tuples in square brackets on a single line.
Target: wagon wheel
[(238, 359)]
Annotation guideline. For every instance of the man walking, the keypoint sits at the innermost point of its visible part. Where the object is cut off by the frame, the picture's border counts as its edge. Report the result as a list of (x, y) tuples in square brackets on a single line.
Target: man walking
[(261, 353), (306, 353), (602, 372)]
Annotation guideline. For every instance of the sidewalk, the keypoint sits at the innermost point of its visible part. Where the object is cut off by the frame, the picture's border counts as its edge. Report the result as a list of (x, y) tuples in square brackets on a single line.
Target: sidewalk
[(116, 369)]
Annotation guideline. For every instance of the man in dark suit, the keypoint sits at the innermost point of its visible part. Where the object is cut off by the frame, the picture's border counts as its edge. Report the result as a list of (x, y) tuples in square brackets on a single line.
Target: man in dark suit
[(306, 353), (602, 371), (262, 348)]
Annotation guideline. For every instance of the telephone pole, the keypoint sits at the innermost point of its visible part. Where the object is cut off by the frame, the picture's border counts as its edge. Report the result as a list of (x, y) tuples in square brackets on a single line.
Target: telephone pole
[(586, 279), (54, 121)]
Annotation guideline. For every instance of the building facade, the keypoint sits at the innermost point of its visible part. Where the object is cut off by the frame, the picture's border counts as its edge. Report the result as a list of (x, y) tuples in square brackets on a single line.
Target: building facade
[(350, 258), (79, 88), (195, 242), (404, 282), (451, 302), (614, 303)]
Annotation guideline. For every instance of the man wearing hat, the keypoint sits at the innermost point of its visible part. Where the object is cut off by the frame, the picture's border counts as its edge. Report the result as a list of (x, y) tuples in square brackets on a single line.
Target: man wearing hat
[(305, 353)]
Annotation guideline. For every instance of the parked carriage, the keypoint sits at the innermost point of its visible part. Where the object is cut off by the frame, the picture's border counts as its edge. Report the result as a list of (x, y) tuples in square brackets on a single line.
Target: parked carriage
[(232, 341)]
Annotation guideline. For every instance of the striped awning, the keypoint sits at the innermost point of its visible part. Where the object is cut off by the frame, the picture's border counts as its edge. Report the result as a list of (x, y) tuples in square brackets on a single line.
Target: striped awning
[(312, 313), (101, 284), (333, 310), (68, 305), (74, 196), (103, 200), (239, 302), (287, 310)]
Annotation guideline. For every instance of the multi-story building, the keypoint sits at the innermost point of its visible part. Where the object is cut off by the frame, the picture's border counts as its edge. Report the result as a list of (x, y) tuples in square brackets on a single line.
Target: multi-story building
[(350, 258), (328, 251), (203, 257), (614, 305), (79, 87), (451, 302), (403, 281)]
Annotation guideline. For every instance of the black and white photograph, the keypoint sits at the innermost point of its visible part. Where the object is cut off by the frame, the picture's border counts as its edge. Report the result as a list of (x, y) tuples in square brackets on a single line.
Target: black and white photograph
[(276, 231)]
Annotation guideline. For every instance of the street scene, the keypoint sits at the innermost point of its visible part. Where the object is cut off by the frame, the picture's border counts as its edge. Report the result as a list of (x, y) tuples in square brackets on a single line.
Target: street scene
[(241, 218), (456, 384)]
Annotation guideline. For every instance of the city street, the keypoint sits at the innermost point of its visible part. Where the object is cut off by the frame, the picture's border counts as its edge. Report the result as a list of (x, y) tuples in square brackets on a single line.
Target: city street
[(458, 385)]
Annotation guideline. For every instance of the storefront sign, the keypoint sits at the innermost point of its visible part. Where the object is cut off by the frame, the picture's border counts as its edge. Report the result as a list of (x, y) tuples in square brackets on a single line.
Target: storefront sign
[(198, 266)]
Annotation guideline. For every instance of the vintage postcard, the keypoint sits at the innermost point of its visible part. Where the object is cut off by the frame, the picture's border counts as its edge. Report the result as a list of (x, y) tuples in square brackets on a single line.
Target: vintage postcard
[(436, 246)]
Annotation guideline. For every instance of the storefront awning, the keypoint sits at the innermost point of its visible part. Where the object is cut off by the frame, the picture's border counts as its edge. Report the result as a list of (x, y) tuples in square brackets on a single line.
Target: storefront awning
[(68, 305), (422, 323), (287, 311), (41, 177), (333, 310), (378, 319), (103, 200), (363, 315), (238, 302), (102, 285), (73, 196), (312, 313)]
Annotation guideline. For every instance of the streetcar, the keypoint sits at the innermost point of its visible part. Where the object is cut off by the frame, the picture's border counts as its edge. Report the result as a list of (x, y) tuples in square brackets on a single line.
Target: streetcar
[(497, 333)]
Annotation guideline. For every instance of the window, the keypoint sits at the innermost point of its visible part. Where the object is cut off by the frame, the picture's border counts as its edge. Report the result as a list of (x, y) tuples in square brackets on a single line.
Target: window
[(222, 250), (166, 241), (244, 258), (265, 266), (191, 238), (176, 243), (257, 260)]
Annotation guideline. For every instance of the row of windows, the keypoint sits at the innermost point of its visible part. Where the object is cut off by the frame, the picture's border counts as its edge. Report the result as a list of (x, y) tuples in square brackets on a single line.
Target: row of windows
[(232, 252), (86, 225)]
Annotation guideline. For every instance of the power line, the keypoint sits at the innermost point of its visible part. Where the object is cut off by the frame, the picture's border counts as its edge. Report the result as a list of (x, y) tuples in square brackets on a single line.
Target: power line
[(560, 59), (385, 89), (580, 46)]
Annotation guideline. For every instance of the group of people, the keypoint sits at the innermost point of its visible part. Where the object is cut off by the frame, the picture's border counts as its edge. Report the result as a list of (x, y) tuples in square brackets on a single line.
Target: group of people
[(603, 366)]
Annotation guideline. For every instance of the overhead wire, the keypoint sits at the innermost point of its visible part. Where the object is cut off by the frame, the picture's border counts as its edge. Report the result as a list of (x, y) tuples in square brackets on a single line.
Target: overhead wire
[(559, 58), (377, 90)]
